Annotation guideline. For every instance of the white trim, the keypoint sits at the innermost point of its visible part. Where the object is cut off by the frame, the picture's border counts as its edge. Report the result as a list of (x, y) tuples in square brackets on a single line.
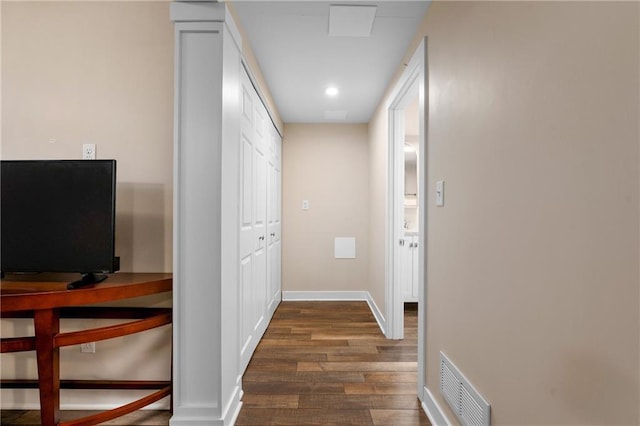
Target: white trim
[(395, 297), (233, 29), (197, 12), (423, 203), (205, 346), (197, 351), (327, 296), (261, 95), (232, 410), (382, 323), (205, 11), (203, 420), (415, 74), (409, 83), (432, 410)]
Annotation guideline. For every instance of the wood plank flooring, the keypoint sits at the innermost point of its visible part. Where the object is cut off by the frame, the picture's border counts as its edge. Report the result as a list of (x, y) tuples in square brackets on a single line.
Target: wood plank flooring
[(319, 363), (327, 363)]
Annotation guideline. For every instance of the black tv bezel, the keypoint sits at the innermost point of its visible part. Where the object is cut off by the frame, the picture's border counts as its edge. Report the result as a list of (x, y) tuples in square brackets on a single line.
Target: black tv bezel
[(112, 263)]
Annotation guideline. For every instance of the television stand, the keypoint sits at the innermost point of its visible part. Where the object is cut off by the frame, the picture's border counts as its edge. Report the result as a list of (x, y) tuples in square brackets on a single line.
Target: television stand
[(46, 300), (87, 279)]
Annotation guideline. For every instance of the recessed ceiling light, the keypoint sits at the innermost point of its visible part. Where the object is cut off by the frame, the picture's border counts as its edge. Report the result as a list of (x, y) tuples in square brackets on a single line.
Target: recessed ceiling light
[(331, 91)]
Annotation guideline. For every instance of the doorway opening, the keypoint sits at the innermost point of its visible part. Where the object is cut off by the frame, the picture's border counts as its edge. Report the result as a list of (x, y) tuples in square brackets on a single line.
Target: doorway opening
[(407, 181)]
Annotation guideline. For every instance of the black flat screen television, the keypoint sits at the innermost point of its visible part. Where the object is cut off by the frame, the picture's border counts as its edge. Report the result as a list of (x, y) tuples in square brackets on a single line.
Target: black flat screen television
[(58, 216)]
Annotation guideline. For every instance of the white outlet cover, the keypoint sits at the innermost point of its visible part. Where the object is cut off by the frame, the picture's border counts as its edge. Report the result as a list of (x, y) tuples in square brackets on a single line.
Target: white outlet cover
[(89, 151), (89, 348)]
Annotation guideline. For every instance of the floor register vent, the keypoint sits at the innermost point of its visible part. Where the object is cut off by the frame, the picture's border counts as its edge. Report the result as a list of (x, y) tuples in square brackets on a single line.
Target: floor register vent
[(464, 400)]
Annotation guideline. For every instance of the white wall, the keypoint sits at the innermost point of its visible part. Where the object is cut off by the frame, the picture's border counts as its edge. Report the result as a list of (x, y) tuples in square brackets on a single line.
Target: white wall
[(378, 176), (99, 72), (326, 164), (532, 265)]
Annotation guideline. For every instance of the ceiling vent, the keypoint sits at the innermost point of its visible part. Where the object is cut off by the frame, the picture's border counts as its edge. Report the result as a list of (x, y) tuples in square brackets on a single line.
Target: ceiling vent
[(351, 21), (335, 115)]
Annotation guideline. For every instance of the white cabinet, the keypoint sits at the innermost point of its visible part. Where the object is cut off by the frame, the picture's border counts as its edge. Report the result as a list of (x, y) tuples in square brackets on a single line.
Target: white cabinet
[(410, 268)]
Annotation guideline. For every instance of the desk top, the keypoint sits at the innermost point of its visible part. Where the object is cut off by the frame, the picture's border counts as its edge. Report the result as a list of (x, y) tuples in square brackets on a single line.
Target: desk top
[(45, 291)]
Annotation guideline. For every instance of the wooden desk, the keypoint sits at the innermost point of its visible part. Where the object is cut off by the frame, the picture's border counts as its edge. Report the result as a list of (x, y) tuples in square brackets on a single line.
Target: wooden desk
[(45, 298)]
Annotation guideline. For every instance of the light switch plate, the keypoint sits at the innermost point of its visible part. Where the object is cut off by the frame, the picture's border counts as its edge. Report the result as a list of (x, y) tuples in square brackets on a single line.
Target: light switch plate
[(305, 204), (440, 193)]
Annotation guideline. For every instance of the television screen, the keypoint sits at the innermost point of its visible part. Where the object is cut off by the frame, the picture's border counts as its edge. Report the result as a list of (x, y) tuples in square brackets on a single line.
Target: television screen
[(58, 216)]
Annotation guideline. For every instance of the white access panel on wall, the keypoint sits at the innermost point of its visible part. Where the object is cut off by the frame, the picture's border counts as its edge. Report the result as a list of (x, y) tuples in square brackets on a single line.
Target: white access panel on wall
[(344, 248)]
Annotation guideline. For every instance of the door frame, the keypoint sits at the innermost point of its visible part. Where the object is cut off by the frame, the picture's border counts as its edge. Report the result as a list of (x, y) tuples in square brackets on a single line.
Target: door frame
[(413, 79)]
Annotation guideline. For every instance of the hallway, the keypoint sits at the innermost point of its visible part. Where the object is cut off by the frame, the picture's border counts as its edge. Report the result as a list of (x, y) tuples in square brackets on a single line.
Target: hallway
[(319, 363), (328, 363)]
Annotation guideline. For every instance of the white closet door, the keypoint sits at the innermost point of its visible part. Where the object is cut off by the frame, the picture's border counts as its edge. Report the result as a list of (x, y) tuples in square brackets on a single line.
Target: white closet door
[(414, 268), (253, 228), (274, 219), (260, 215)]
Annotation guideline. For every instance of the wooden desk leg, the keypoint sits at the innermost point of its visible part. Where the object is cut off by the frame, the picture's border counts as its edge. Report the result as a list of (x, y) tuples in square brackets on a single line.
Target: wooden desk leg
[(47, 325)]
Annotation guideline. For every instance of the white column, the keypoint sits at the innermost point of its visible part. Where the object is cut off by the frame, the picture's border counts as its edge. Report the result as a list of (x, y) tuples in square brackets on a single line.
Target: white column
[(206, 134)]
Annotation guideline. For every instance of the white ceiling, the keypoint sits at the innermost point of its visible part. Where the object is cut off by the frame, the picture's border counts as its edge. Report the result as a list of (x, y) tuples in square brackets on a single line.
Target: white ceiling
[(299, 59)]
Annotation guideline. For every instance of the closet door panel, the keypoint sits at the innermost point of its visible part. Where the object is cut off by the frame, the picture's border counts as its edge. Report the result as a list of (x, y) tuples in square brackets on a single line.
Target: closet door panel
[(252, 252), (246, 222), (274, 219), (257, 218), (260, 240), (246, 274)]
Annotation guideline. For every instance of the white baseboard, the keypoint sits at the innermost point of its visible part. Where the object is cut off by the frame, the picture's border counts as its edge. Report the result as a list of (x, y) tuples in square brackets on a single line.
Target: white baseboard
[(206, 415), (433, 410), (382, 323), (195, 420), (233, 408), (326, 296)]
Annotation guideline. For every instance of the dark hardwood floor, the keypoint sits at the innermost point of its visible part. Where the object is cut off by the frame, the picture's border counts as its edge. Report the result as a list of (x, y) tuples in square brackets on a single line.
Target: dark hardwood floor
[(319, 363), (327, 363)]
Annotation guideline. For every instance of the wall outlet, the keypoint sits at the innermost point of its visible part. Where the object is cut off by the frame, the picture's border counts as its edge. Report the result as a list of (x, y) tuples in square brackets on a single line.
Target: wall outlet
[(88, 348), (89, 151)]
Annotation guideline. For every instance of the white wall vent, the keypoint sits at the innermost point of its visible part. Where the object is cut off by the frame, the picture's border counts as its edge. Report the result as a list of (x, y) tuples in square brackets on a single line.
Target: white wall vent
[(471, 408)]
